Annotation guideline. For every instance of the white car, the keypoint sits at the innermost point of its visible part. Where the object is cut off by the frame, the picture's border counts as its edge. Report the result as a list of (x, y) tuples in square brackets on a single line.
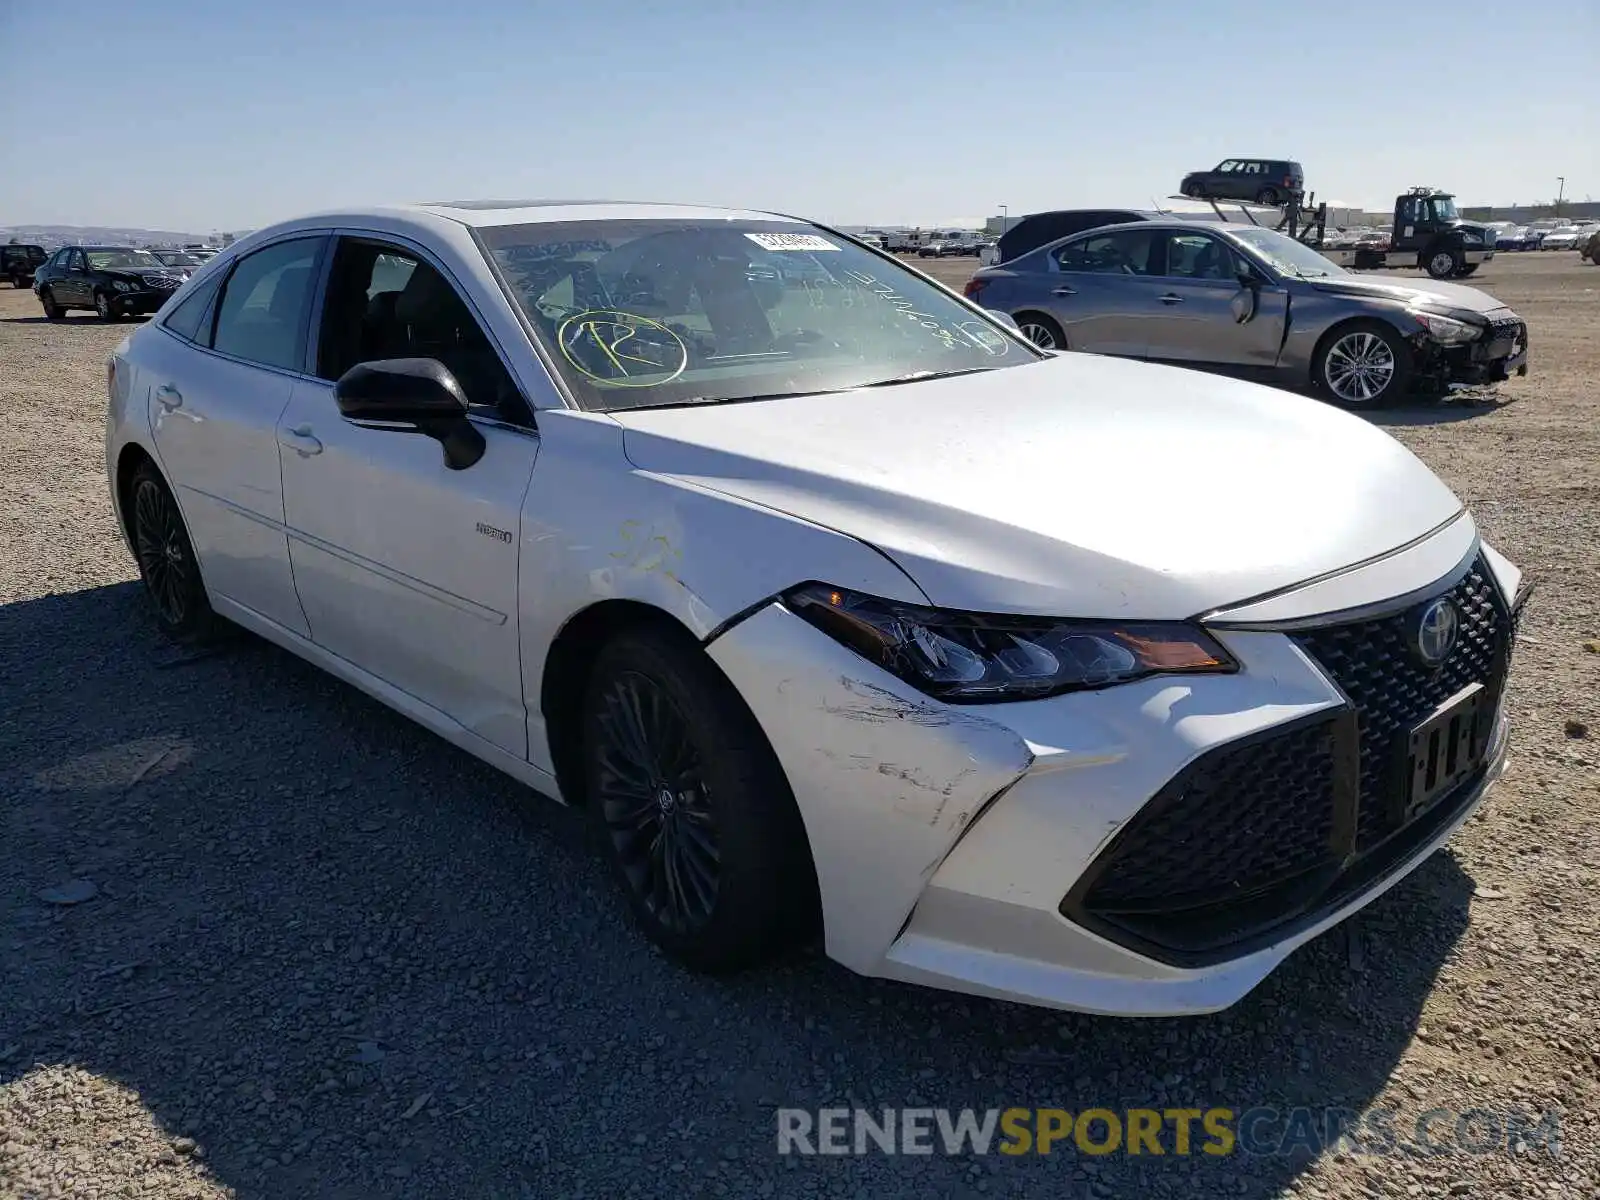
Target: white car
[(1068, 680), (1563, 237)]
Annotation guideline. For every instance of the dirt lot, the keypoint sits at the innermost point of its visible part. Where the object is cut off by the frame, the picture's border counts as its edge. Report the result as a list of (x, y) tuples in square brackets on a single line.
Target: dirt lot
[(330, 956)]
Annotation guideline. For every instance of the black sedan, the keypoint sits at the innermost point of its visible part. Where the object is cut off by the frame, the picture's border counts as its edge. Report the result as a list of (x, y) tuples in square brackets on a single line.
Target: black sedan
[(114, 281)]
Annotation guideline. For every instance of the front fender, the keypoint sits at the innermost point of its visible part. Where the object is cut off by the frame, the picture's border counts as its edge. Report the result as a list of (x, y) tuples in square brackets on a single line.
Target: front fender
[(595, 529)]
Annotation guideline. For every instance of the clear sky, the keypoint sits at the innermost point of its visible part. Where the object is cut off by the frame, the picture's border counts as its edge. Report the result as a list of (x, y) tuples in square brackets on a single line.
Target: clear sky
[(224, 114)]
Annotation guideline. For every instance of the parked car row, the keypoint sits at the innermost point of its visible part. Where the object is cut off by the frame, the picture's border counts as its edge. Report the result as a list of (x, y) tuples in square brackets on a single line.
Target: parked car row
[(838, 607), (1545, 234)]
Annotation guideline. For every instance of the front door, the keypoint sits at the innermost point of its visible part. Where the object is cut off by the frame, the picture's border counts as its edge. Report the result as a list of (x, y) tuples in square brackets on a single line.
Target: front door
[(406, 568), (1205, 314), (218, 387)]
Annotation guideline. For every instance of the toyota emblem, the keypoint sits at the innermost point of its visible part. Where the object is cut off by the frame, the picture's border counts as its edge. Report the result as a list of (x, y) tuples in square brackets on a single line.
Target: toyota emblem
[(1436, 631)]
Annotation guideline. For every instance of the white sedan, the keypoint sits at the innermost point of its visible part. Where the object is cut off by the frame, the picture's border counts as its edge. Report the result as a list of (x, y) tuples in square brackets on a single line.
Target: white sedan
[(1063, 679)]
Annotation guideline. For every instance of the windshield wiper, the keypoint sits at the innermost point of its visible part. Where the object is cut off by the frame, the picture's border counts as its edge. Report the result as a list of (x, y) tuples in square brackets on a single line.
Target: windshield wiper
[(691, 401), (919, 376), (909, 377)]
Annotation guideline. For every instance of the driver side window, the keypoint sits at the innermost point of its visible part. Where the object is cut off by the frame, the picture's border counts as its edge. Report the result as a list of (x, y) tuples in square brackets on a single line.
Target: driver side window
[(386, 302)]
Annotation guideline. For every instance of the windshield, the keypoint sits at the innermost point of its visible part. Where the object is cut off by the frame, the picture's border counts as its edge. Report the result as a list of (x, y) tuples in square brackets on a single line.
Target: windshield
[(648, 313), (112, 260), (1444, 208), (176, 258), (1286, 255)]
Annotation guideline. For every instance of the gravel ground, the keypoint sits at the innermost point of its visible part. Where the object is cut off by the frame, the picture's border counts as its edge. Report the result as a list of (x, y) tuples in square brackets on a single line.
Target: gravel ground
[(327, 955)]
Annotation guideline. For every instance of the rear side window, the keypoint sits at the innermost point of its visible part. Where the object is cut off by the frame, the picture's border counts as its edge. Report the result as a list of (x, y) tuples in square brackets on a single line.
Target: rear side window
[(1127, 252), (191, 319), (262, 315)]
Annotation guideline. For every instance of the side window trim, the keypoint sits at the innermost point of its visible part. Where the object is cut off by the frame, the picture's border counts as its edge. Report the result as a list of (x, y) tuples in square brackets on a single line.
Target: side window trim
[(395, 241)]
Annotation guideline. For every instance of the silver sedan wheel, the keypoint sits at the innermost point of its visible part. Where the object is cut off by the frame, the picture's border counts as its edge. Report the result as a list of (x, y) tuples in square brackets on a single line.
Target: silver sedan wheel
[(1040, 335), (1360, 367)]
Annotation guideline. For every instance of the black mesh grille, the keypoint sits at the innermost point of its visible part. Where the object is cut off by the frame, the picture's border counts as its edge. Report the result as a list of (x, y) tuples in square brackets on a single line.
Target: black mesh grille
[(1283, 826), (1393, 690), (1238, 820)]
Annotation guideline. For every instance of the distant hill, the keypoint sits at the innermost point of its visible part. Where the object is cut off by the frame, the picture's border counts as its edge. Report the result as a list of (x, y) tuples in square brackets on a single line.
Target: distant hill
[(68, 235)]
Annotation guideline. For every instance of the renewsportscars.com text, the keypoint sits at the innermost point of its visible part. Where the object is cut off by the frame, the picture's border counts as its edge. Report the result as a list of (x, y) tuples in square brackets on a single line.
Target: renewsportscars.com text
[(1213, 1131)]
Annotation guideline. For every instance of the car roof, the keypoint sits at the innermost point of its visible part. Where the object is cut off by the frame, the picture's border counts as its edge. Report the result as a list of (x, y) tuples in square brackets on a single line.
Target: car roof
[(480, 213)]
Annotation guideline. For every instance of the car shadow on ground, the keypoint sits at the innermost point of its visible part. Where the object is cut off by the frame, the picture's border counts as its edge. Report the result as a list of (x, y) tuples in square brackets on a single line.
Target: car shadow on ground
[(1460, 404), (363, 964)]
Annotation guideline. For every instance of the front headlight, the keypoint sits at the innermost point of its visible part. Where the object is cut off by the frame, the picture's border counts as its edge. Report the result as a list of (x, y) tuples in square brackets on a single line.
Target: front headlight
[(1446, 330), (972, 657), (1471, 239), (122, 285)]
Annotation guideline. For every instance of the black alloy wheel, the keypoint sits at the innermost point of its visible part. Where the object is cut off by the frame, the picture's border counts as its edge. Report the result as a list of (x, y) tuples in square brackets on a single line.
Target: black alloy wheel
[(102, 305), (657, 809), (167, 563), (690, 805), (52, 310)]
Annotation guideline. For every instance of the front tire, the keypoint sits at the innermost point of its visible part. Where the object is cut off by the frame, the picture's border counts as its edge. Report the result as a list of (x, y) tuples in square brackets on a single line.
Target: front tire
[(1364, 364), (167, 563), (1044, 332), (1442, 262), (52, 310), (691, 806), (102, 306)]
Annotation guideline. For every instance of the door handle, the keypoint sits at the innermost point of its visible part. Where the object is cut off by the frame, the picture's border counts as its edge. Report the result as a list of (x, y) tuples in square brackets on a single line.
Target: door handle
[(300, 440), (1170, 298), (1064, 290), (169, 397)]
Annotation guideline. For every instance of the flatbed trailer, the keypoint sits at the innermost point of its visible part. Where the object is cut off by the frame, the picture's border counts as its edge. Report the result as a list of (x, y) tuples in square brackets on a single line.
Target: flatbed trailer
[(1430, 236)]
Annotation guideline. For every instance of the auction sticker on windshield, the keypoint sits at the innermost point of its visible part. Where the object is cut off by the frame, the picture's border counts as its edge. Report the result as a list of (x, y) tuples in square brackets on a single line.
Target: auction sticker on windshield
[(791, 241)]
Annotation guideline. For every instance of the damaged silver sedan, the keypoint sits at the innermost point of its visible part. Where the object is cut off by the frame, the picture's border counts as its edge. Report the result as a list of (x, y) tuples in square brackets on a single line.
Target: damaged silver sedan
[(839, 606)]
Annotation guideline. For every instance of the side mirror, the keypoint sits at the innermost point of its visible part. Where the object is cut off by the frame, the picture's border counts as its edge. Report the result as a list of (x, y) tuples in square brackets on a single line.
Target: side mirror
[(1248, 276), (411, 395)]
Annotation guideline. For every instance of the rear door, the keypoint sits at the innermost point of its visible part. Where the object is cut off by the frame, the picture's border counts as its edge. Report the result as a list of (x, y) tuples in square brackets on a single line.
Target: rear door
[(1101, 291), (221, 370), (406, 568), (1205, 314)]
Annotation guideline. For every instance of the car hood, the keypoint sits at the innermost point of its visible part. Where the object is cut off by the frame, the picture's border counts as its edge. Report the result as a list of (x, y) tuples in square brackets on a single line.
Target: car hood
[(1078, 486), (1437, 291)]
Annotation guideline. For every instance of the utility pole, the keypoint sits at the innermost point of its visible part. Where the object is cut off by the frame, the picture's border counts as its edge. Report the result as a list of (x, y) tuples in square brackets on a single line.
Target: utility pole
[(1005, 221), (1561, 192)]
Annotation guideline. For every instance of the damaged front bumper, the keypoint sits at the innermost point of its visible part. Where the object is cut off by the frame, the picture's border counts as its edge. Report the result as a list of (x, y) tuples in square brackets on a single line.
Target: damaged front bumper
[(1495, 357), (951, 841)]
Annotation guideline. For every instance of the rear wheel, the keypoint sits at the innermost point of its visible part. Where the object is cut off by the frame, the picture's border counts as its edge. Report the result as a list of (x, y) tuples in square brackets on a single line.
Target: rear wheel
[(691, 806), (1363, 365), (167, 563), (52, 310), (1041, 330), (1267, 196), (1442, 262)]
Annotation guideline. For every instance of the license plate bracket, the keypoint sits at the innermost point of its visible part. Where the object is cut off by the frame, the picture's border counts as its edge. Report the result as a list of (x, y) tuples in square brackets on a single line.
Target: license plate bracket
[(1444, 749)]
